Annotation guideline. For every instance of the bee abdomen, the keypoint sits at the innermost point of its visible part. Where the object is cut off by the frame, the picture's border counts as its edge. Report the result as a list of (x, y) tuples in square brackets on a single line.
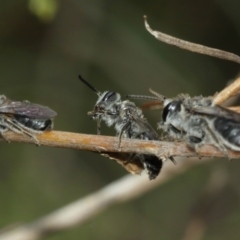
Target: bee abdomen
[(35, 124), (229, 130), (152, 164)]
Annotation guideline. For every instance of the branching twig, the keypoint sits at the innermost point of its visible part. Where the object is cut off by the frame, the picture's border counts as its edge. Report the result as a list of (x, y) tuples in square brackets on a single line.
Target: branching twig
[(193, 47), (228, 92)]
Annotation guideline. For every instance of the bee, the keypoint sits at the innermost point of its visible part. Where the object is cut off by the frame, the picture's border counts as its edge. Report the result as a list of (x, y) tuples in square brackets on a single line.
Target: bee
[(129, 122), (24, 117), (198, 121)]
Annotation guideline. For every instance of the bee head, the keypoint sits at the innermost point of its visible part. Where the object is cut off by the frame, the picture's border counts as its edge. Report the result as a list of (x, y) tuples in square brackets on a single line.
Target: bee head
[(106, 101)]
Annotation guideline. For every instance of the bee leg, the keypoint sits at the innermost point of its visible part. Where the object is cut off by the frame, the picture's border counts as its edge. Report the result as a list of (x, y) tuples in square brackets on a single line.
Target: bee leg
[(195, 143), (196, 150), (98, 126), (222, 149), (219, 146), (172, 160), (18, 128), (3, 129), (160, 125), (29, 134), (119, 139), (167, 157), (215, 141), (4, 137), (124, 128), (33, 137)]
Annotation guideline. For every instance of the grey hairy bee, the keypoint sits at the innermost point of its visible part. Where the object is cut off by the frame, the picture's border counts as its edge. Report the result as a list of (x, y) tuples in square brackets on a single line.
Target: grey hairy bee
[(198, 121), (129, 122), (24, 117)]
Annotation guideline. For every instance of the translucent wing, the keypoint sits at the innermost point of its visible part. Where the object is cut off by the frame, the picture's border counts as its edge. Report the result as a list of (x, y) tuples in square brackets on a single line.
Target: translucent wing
[(225, 123), (148, 132), (217, 111), (27, 109)]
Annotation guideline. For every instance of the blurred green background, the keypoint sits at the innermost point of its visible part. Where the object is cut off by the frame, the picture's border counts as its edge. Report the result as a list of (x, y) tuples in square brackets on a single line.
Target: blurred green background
[(45, 44)]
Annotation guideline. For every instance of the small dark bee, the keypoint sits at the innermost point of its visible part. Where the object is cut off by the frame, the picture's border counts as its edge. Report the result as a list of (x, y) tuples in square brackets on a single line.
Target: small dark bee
[(24, 117), (198, 121), (129, 122)]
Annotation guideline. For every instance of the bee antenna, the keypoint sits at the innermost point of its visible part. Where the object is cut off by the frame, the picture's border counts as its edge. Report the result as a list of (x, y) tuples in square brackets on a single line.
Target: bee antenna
[(142, 97), (159, 96), (89, 85)]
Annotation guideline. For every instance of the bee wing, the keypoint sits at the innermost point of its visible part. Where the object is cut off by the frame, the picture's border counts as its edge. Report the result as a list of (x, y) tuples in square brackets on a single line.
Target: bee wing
[(217, 111), (226, 125), (27, 109), (149, 132)]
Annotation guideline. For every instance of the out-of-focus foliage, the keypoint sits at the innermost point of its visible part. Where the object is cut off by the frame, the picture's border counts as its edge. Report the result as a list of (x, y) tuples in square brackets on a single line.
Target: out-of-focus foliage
[(44, 9), (106, 42)]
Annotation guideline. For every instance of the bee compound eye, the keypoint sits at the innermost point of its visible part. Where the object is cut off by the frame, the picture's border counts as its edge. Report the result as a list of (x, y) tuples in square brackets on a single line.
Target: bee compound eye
[(165, 112), (175, 106), (172, 107), (110, 97)]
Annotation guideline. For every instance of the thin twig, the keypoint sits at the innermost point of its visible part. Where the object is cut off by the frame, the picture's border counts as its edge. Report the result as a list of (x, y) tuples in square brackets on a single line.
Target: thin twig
[(78, 212), (235, 109), (193, 47), (228, 92)]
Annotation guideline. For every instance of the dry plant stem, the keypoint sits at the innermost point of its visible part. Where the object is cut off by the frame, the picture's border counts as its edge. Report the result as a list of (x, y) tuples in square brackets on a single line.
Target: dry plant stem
[(193, 47), (235, 109), (80, 211), (230, 91), (226, 93), (106, 144)]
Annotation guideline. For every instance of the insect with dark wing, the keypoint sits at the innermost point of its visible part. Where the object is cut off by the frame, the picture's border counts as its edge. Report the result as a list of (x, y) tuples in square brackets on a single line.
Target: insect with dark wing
[(24, 117), (129, 122), (198, 121)]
